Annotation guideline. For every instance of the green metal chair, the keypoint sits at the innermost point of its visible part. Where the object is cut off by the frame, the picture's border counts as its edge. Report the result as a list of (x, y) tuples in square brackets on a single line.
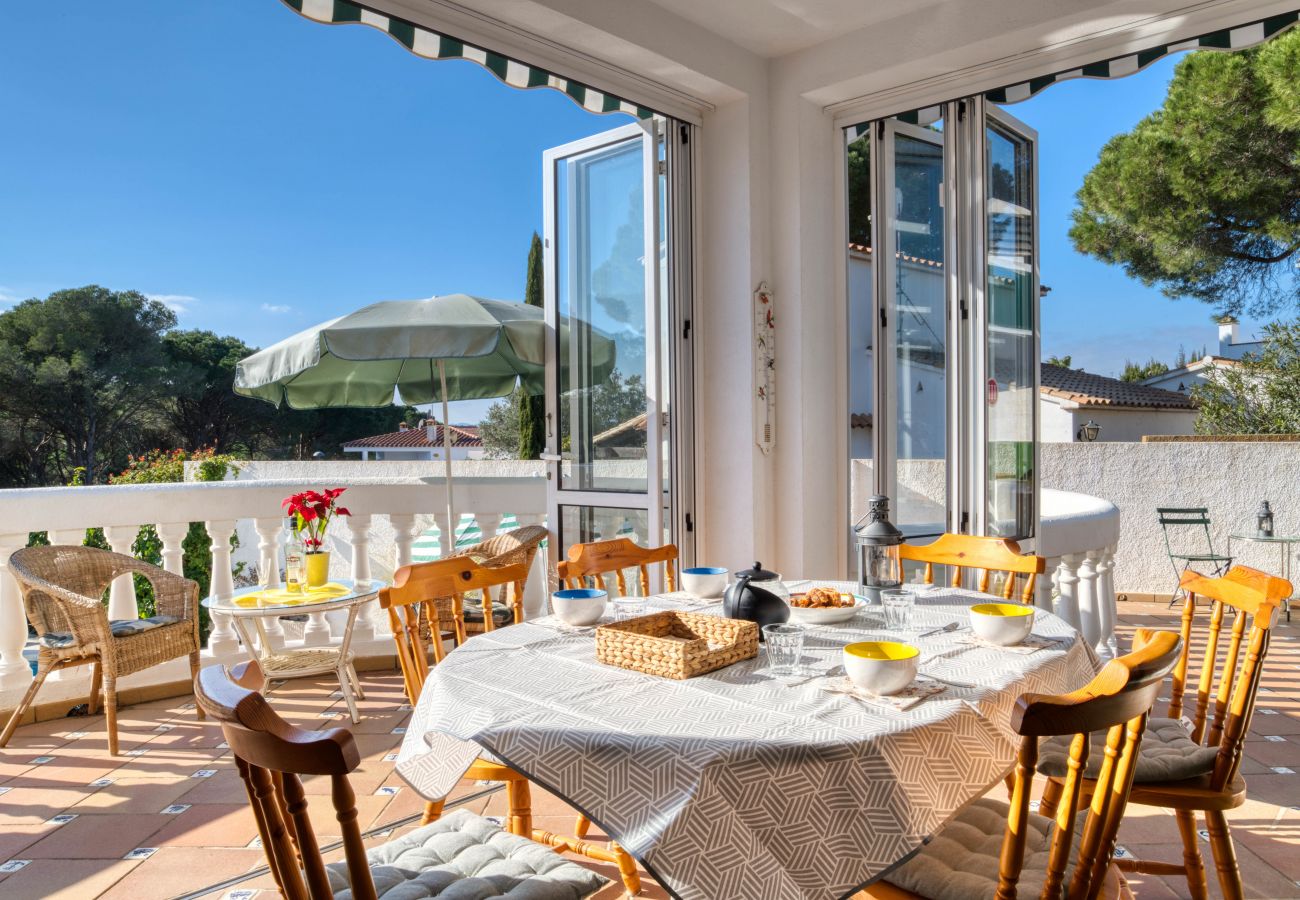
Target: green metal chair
[(1187, 528)]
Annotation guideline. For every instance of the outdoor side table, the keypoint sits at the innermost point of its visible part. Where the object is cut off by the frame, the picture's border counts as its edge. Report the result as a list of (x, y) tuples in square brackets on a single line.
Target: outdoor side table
[(1286, 542), (256, 604)]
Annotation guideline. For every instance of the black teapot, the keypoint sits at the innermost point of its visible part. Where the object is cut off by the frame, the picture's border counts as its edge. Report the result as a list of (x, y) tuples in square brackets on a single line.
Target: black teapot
[(757, 595)]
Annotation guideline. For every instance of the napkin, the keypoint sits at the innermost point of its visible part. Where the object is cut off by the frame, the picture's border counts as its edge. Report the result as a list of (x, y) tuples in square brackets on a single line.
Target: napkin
[(1031, 644), (686, 598), (904, 700), (555, 624)]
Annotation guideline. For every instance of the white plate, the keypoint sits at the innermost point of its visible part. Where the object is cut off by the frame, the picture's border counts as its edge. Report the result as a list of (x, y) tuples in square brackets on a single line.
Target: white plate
[(812, 615)]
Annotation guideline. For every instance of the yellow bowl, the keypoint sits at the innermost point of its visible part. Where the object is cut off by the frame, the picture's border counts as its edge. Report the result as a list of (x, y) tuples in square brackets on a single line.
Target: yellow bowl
[(881, 667), (1003, 624)]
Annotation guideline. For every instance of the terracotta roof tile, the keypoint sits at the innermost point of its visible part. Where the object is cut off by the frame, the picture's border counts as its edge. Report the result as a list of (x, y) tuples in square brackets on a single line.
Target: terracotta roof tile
[(1087, 389), (461, 436)]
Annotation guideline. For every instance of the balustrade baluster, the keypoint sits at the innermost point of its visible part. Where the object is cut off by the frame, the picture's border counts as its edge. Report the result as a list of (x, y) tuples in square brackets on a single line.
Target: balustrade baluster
[(538, 585), (364, 628), (172, 535), (404, 534), (1106, 601), (1067, 587), (222, 639), (121, 595), (268, 572), (15, 671), (1089, 602)]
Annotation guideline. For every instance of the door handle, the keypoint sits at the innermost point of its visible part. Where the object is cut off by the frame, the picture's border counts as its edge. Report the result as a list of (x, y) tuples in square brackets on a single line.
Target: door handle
[(551, 457)]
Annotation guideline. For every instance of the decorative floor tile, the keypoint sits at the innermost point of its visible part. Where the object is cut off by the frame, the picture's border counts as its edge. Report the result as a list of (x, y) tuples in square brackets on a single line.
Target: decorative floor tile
[(141, 853)]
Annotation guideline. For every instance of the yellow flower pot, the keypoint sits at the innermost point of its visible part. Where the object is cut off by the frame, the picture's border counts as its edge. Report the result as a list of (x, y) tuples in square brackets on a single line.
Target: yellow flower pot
[(318, 569)]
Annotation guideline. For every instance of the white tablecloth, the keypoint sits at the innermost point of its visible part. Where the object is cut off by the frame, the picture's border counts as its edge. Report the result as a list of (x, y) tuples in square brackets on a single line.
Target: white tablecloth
[(738, 784)]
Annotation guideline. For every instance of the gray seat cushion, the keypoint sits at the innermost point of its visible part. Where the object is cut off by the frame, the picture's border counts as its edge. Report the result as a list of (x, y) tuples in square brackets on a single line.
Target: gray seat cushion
[(1167, 754), (961, 860), (61, 640), (465, 857)]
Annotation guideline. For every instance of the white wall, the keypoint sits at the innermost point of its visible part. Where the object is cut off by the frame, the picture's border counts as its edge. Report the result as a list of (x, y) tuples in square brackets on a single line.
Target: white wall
[(1060, 422), (1228, 477)]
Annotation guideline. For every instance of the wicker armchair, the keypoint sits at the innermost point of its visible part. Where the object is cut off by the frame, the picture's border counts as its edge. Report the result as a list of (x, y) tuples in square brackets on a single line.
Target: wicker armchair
[(518, 545), (63, 590)]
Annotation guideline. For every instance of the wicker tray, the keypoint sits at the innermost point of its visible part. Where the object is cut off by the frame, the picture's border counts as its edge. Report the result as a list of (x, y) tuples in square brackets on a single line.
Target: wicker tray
[(674, 644)]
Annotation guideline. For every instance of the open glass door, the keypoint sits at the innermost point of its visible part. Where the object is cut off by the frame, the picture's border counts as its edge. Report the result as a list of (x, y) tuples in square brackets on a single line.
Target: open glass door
[(607, 446)]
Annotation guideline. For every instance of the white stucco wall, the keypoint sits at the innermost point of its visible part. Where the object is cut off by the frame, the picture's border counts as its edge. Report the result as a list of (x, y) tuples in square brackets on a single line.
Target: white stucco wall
[(1060, 423), (1230, 478)]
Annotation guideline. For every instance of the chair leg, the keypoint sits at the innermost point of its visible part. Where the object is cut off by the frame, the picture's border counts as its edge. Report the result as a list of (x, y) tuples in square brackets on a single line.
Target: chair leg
[(356, 682), (194, 675), (520, 799), (582, 826), (432, 811), (23, 704), (110, 711), (1225, 855), (96, 683), (1192, 854), (627, 870), (1052, 791)]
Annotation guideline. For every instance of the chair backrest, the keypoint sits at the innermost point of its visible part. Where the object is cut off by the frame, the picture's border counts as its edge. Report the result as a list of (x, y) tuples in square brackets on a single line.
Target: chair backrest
[(1256, 597), (1185, 528), (270, 755), (415, 589), (984, 555), (1118, 700), (601, 558)]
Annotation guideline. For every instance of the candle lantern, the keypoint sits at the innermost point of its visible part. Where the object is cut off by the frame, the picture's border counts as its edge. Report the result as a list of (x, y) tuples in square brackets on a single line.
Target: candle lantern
[(1264, 520), (878, 542)]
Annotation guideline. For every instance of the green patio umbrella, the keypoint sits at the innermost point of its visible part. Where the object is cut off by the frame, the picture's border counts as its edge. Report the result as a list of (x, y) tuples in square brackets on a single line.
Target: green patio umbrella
[(454, 347)]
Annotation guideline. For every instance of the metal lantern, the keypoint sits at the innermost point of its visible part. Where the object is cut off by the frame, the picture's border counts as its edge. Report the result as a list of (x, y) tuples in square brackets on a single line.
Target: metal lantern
[(1088, 431), (878, 541), (1264, 520)]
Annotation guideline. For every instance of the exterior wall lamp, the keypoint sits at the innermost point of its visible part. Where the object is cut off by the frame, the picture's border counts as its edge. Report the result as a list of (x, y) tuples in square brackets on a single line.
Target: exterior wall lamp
[(1088, 432)]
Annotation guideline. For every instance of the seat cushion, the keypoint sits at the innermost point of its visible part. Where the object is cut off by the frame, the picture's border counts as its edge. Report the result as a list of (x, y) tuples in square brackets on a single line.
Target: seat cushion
[(465, 857), (501, 615), (961, 861), (121, 628), (1167, 754)]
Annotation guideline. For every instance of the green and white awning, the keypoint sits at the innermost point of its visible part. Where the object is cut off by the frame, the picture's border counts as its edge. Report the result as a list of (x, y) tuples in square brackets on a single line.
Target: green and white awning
[(433, 45), (1226, 39)]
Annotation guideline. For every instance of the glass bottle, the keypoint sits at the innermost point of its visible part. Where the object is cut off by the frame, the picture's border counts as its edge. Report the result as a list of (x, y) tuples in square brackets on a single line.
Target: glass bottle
[(295, 558)]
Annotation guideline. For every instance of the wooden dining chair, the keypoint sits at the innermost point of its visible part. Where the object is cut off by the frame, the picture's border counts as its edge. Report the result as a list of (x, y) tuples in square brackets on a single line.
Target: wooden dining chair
[(600, 559), (984, 555), (272, 755), (1196, 767), (412, 601), (417, 586), (991, 847)]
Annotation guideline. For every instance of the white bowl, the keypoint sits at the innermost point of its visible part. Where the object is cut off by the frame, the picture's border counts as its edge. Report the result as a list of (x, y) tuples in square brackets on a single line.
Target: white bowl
[(579, 606), (881, 667), (825, 615), (708, 582), (1003, 624)]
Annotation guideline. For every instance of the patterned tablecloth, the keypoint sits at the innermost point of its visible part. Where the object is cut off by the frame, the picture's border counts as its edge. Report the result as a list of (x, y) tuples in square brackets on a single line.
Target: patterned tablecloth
[(738, 784)]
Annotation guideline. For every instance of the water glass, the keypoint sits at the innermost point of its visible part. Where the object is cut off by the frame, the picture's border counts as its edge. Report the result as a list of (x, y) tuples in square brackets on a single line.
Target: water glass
[(628, 608), (784, 648), (898, 604)]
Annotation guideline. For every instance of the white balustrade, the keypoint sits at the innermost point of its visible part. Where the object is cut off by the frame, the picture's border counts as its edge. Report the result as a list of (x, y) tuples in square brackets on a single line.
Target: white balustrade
[(388, 514), (1078, 535)]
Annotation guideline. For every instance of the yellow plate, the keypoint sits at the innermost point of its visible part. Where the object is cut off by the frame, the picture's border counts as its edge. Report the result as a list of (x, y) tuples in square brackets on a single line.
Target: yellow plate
[(1003, 609), (882, 650)]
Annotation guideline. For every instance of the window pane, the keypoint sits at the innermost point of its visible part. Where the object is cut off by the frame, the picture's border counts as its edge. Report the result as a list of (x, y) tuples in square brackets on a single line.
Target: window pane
[(1011, 400)]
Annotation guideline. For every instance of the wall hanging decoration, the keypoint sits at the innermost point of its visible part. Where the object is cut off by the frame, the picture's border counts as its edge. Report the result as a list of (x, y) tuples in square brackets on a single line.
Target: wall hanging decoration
[(764, 368)]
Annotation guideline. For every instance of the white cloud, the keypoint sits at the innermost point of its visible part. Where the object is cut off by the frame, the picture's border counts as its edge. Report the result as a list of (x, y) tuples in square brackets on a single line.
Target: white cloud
[(275, 308), (177, 303), (8, 297)]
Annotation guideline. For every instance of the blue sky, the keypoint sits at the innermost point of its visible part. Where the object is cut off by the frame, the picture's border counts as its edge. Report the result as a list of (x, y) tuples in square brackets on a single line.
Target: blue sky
[(261, 173)]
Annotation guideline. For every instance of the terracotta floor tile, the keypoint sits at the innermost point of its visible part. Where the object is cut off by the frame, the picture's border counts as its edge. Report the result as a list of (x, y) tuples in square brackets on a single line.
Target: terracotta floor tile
[(222, 825), (98, 837), (65, 879), (224, 787), (16, 838), (177, 870), (33, 805), (134, 795)]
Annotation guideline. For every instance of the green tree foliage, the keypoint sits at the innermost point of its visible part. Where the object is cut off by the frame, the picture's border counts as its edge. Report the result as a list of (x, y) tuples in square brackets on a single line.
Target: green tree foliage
[(499, 429), (1202, 197), (205, 412), (613, 402), (1259, 395), (1141, 371), (859, 191), (531, 412), (1062, 361), (82, 376)]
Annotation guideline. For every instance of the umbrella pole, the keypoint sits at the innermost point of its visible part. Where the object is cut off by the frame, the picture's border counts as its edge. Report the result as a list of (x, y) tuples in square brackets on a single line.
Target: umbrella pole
[(446, 445)]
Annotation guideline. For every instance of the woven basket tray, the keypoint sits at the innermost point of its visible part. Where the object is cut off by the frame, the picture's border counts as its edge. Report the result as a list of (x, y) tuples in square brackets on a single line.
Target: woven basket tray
[(673, 644)]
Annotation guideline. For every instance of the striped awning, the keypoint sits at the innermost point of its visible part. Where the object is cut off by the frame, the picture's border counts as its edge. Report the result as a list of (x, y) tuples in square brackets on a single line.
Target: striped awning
[(1226, 39), (433, 45)]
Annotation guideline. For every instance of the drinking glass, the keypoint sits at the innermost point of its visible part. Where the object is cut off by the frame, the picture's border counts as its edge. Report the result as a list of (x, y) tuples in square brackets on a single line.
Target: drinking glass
[(784, 648), (628, 608), (898, 604)]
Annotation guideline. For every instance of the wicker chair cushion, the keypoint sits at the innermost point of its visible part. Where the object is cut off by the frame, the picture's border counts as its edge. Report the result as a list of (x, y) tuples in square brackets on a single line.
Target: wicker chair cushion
[(961, 861), (1166, 754), (501, 615), (465, 857), (121, 628)]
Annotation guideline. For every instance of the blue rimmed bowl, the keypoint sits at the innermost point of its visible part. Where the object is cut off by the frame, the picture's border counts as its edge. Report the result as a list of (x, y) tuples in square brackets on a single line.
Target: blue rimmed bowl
[(708, 582), (579, 606)]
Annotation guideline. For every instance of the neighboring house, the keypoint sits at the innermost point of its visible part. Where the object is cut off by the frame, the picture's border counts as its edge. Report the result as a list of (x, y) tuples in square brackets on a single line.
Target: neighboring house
[(1125, 411), (1231, 349), (424, 441)]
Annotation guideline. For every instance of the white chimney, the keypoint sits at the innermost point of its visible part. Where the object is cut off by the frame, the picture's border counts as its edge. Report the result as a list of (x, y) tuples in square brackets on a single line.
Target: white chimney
[(431, 430), (402, 426), (1227, 335)]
